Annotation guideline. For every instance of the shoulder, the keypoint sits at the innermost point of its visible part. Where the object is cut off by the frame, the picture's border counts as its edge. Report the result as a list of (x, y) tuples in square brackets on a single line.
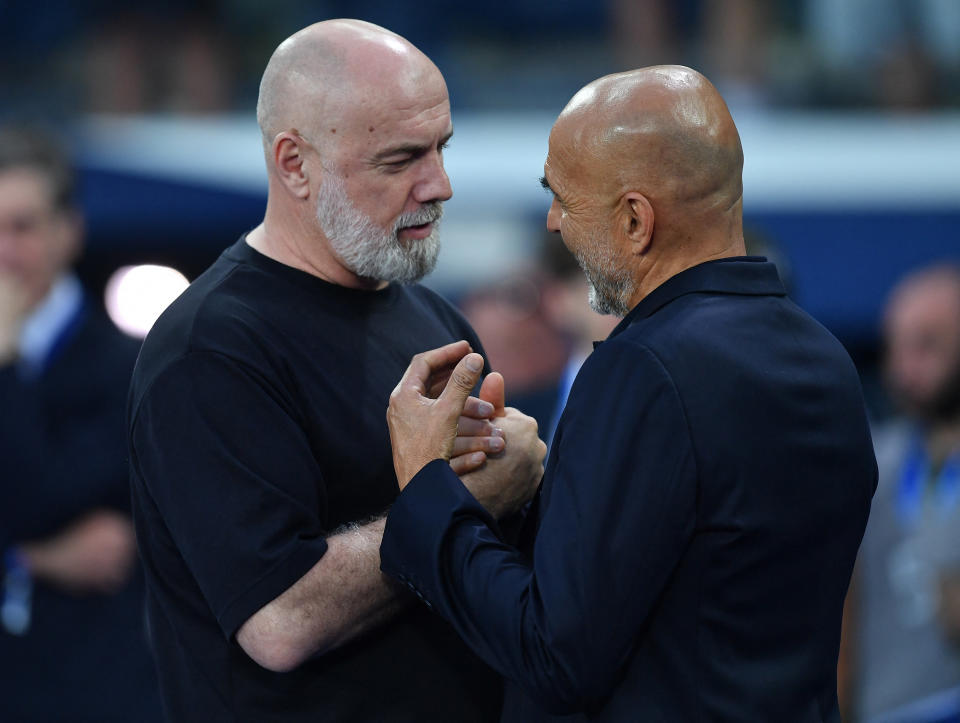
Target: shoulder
[(209, 321), (624, 368)]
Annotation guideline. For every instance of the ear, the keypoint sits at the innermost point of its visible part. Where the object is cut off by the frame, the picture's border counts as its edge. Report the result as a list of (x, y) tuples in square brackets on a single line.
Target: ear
[(636, 222), (288, 163)]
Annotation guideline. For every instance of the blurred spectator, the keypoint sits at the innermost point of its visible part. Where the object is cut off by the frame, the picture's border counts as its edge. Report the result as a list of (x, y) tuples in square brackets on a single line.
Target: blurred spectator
[(728, 38), (897, 53), (520, 342), (155, 56), (904, 608), (72, 629)]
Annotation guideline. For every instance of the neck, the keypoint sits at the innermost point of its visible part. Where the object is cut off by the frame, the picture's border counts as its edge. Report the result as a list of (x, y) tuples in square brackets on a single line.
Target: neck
[(286, 237), (943, 439), (660, 269)]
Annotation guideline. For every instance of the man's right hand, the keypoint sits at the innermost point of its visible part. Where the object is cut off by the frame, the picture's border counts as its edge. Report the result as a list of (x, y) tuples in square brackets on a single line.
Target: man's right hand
[(509, 480)]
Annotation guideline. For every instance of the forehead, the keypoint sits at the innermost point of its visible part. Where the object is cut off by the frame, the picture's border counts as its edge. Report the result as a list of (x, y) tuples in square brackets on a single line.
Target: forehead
[(572, 162), (927, 306), (404, 112), (24, 189)]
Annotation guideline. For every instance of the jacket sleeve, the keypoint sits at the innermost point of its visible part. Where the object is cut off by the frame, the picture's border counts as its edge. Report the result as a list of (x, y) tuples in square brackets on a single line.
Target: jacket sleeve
[(618, 510)]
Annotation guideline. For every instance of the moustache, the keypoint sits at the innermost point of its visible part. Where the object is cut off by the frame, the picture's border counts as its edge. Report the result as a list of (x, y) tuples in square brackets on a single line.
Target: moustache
[(428, 213)]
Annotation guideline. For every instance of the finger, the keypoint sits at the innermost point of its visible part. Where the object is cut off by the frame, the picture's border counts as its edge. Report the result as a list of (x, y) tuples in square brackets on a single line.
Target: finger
[(454, 396), (465, 445), (478, 409), (469, 427), (492, 390), (467, 463), (428, 363)]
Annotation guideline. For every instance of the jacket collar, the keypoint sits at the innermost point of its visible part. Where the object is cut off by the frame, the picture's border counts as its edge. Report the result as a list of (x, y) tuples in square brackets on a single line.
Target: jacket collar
[(741, 275)]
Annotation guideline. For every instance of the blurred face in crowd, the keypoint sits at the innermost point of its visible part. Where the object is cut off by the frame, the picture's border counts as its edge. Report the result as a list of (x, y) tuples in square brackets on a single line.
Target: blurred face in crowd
[(383, 181), (38, 240), (923, 347)]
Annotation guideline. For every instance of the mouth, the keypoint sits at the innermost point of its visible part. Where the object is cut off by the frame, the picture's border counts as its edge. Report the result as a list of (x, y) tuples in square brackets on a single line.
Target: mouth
[(420, 231)]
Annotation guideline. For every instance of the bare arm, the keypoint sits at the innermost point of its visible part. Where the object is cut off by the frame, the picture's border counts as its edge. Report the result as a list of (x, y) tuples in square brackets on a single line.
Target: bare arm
[(345, 594), (340, 597)]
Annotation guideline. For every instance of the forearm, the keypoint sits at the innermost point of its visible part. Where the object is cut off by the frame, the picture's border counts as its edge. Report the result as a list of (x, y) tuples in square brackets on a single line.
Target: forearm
[(341, 597)]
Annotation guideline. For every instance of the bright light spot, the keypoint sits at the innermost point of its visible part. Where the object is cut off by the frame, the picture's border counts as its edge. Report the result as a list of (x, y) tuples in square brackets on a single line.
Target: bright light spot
[(137, 295)]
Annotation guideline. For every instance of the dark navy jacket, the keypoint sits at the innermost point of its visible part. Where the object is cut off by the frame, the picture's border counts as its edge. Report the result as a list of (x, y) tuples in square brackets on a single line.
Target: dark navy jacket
[(704, 498)]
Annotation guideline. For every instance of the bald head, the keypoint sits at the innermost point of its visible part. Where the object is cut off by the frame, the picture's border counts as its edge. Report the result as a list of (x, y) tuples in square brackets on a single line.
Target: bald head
[(646, 172), (664, 131), (321, 76)]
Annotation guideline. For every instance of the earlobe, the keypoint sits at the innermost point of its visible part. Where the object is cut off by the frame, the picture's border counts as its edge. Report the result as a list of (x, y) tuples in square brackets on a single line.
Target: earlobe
[(288, 160), (638, 222)]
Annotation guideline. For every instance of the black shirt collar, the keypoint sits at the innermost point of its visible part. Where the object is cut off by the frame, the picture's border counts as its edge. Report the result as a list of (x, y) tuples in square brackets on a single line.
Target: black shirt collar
[(743, 275)]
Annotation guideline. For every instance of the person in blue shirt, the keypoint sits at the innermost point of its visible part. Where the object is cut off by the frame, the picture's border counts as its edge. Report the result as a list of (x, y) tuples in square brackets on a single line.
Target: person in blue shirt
[(708, 484), (903, 613), (73, 644)]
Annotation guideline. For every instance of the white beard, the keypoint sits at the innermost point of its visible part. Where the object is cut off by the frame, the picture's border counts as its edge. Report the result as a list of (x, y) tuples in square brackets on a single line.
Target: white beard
[(370, 251)]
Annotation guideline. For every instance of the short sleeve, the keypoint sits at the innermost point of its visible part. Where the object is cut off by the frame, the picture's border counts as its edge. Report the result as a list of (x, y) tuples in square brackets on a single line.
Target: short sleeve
[(218, 450)]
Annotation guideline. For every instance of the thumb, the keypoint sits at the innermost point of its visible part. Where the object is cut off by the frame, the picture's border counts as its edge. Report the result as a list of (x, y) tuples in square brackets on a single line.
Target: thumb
[(462, 381), (492, 390)]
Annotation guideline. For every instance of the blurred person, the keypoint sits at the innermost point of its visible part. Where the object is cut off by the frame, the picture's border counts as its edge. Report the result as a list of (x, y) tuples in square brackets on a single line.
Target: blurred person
[(156, 56), (903, 617), (710, 478), (729, 37), (897, 53), (260, 456), (72, 630), (520, 340)]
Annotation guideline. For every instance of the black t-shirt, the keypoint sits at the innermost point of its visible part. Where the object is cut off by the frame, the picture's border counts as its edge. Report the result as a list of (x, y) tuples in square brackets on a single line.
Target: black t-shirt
[(257, 426)]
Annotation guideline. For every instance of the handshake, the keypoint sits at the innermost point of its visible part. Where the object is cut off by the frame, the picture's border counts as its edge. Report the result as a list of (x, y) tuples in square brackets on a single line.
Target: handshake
[(494, 449)]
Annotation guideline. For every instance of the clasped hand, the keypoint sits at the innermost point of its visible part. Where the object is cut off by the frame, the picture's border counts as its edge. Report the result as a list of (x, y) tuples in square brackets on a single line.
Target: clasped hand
[(494, 449)]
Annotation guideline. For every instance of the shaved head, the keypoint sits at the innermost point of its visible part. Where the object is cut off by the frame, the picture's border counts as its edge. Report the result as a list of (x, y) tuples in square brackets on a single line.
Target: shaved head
[(646, 171), (319, 77), (664, 131)]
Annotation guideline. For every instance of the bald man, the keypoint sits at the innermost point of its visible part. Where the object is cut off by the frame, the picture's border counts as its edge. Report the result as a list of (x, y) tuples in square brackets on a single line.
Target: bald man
[(260, 457), (710, 477), (905, 605)]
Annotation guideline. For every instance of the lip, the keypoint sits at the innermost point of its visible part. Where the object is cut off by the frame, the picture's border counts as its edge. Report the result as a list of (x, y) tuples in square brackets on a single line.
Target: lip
[(417, 232)]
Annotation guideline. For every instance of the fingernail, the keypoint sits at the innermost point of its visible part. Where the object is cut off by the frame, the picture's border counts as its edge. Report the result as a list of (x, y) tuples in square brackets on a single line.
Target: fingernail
[(496, 444), (474, 362), (485, 409), (497, 432)]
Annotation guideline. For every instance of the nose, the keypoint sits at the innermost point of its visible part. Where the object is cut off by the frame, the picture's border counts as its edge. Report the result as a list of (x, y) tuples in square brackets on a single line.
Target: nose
[(435, 185), (553, 217)]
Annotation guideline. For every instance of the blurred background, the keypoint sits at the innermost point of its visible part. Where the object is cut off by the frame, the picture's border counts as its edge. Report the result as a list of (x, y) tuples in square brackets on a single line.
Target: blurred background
[(849, 112)]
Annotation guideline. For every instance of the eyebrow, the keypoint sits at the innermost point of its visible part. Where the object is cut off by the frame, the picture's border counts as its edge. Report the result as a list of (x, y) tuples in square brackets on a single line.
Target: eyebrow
[(408, 149)]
